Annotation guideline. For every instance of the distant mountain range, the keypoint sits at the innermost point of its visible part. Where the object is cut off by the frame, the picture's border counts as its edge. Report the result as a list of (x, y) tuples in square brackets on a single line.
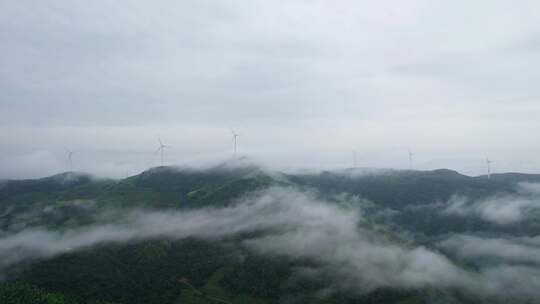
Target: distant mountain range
[(403, 207)]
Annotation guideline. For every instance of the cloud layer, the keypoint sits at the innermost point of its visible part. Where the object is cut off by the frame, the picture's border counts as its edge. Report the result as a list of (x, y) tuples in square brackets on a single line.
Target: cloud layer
[(297, 225), (445, 79), (509, 264), (504, 209), (525, 250)]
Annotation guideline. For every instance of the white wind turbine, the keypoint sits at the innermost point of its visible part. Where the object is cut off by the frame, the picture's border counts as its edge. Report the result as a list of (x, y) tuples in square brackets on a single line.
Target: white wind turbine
[(488, 164), (70, 158), (410, 159), (161, 148), (235, 136)]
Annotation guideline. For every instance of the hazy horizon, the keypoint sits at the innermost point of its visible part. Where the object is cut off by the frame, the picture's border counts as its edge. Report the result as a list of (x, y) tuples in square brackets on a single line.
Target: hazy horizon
[(241, 161)]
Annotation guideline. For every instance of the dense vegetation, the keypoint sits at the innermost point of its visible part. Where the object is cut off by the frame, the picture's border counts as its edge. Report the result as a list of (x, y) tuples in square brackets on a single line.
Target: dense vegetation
[(198, 271)]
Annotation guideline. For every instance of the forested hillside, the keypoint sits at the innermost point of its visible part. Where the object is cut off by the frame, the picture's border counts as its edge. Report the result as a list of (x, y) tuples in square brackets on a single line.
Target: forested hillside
[(222, 235)]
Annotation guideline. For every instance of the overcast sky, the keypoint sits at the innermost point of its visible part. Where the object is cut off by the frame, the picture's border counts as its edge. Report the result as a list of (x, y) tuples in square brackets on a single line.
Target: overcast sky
[(304, 83)]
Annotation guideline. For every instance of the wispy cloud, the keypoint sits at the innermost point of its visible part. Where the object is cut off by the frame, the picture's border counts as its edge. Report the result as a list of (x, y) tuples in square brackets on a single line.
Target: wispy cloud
[(496, 249), (510, 266), (297, 225), (504, 209)]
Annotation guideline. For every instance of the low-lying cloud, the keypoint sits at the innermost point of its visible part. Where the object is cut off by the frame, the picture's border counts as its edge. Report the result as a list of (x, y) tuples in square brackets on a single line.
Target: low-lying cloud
[(524, 250), (510, 265), (504, 209), (297, 225)]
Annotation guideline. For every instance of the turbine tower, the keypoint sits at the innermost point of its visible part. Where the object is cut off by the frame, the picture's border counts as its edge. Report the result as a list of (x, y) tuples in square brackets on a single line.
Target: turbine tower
[(235, 136), (70, 158), (410, 160), (488, 164), (161, 148)]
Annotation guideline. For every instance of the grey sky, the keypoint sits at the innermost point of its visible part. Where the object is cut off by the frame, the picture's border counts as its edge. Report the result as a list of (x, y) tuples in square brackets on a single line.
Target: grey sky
[(303, 82)]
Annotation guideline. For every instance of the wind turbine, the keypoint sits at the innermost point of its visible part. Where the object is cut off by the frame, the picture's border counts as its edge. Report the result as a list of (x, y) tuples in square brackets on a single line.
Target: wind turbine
[(488, 163), (70, 158), (235, 136), (410, 160), (161, 148)]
